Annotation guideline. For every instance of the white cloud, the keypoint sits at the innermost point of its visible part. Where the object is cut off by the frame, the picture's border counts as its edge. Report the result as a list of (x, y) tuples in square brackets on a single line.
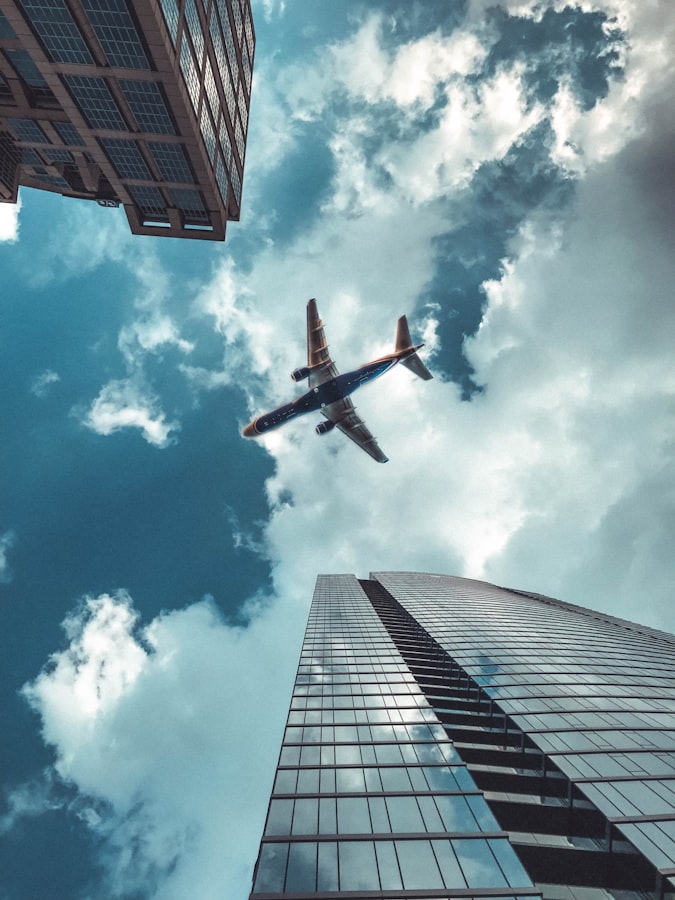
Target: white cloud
[(9, 221), (127, 403), (41, 383), (7, 541), (168, 739)]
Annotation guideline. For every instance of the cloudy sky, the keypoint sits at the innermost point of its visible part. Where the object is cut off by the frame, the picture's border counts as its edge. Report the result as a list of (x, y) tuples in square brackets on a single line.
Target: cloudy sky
[(502, 172)]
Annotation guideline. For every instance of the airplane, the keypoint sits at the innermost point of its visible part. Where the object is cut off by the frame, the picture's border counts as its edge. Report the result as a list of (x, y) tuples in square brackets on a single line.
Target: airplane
[(329, 391)]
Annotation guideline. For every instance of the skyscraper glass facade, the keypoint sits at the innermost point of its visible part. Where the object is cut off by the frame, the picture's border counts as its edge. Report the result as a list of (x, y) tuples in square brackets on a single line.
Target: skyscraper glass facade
[(448, 737)]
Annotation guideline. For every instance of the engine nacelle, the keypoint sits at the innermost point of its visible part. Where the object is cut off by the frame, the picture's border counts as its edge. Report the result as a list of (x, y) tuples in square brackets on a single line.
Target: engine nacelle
[(325, 427), (300, 374)]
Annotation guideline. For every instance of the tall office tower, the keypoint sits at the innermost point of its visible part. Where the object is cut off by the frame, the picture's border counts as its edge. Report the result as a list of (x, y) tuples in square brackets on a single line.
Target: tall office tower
[(449, 738), (138, 102)]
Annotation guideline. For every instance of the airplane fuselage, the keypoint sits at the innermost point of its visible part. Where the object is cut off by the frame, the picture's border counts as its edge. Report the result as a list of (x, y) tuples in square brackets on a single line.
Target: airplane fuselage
[(324, 394)]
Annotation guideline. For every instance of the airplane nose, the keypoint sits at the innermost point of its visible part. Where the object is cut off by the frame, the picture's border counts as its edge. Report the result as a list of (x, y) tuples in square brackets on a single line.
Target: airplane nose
[(250, 431)]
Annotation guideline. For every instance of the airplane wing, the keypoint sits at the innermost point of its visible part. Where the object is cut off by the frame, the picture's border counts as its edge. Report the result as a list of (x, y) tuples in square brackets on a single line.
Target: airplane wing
[(321, 366), (343, 413)]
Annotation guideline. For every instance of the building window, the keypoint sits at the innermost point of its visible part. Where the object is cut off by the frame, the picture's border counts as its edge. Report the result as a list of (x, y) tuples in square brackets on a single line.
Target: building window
[(58, 155), (68, 134), (190, 202), (148, 199), (171, 161), (236, 184), (117, 33), (55, 181), (27, 130), (126, 158), (225, 144), (221, 180), (148, 106), (24, 65), (189, 71), (96, 102), (30, 157), (57, 31), (241, 143), (211, 90), (208, 134), (195, 29), (170, 13), (6, 30), (218, 46)]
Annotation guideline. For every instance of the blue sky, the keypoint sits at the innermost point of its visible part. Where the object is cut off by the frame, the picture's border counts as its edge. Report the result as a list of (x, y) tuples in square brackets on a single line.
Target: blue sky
[(502, 173)]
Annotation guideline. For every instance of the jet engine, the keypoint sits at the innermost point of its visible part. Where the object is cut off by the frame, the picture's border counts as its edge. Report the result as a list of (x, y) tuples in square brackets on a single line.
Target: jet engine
[(300, 374), (325, 427)]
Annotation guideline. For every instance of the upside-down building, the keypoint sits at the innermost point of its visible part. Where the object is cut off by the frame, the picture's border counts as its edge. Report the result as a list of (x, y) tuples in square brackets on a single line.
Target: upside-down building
[(450, 738), (142, 103)]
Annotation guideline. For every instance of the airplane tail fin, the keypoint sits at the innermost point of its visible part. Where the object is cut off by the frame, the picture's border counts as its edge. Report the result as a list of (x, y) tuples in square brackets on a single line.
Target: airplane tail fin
[(403, 342)]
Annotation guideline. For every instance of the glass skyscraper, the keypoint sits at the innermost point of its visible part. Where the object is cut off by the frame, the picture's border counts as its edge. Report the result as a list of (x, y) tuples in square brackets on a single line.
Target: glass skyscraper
[(137, 102), (451, 738)]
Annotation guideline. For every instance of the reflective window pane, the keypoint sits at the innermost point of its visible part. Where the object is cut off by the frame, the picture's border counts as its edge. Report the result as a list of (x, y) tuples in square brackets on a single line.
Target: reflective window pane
[(271, 868), (327, 867), (358, 867), (301, 872), (478, 864), (418, 865), (353, 816), (305, 816), (279, 818), (388, 865), (404, 814)]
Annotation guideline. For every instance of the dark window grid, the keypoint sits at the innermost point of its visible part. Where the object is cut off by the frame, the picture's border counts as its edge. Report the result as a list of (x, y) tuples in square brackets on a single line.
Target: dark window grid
[(189, 201), (30, 157), (58, 155), (126, 158), (6, 30), (226, 26), (25, 66), (171, 161), (54, 180), (170, 13), (230, 96), (222, 179), (208, 134), (117, 34), (68, 134), (238, 21), (58, 32), (27, 130), (211, 90), (147, 103), (243, 112), (149, 199), (97, 104), (248, 28), (189, 73), (218, 46), (194, 26)]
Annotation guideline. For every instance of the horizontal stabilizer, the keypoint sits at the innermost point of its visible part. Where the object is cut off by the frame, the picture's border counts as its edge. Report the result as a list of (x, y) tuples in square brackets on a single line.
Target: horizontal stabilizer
[(403, 342), (415, 364)]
